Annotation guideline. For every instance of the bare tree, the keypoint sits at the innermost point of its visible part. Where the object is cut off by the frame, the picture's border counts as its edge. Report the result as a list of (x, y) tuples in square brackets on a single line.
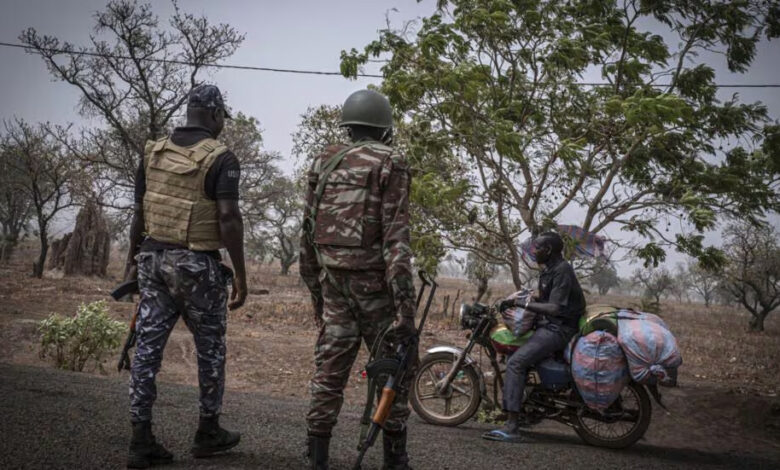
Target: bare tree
[(135, 75), (753, 271), (16, 208), (604, 277), (655, 282), (45, 173), (703, 281)]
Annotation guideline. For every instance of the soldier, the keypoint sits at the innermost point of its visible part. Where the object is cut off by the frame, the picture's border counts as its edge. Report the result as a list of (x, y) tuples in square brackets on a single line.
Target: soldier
[(356, 261), (186, 209)]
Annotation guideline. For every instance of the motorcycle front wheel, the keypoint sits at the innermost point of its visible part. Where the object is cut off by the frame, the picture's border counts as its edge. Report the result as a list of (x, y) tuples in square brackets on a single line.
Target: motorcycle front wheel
[(449, 407), (622, 424)]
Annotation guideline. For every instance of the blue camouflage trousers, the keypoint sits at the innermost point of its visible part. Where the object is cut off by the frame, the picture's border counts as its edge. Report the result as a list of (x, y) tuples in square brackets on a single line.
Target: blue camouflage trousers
[(193, 285)]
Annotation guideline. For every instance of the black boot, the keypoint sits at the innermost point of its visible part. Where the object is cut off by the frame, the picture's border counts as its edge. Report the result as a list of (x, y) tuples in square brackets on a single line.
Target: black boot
[(394, 444), (144, 450), (211, 438), (318, 452)]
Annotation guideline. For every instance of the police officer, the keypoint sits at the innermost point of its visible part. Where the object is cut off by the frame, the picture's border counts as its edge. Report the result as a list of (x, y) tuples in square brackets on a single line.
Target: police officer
[(356, 261), (559, 304), (186, 209)]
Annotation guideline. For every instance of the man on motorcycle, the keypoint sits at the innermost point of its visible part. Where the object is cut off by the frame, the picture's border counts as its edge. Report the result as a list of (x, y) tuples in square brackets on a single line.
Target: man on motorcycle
[(559, 304)]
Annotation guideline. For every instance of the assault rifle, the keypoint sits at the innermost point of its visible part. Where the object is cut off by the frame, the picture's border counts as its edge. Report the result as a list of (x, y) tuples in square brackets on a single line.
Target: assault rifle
[(123, 290), (395, 370)]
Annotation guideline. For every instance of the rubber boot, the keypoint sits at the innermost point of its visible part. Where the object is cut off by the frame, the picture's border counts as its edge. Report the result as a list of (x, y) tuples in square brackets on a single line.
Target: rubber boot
[(211, 439), (394, 444), (318, 452), (144, 449)]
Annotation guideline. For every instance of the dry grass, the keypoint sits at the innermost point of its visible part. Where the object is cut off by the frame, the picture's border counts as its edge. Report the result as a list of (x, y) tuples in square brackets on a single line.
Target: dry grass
[(271, 338)]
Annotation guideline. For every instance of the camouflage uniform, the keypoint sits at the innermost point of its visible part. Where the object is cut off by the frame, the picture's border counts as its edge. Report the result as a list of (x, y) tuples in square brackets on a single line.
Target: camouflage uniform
[(192, 284), (362, 235)]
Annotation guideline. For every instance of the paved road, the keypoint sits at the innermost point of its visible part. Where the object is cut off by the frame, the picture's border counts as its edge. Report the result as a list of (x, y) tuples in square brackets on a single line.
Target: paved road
[(54, 419)]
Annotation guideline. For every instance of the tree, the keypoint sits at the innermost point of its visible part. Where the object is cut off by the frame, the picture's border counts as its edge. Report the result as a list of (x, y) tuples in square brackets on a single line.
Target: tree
[(281, 221), (682, 283), (605, 277), (490, 91), (44, 173), (135, 76), (753, 269), (16, 208), (479, 273), (703, 281), (319, 127), (655, 282)]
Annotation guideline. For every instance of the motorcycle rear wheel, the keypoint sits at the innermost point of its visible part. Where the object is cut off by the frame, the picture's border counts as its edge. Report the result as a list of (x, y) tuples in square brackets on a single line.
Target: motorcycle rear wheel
[(437, 408), (603, 432)]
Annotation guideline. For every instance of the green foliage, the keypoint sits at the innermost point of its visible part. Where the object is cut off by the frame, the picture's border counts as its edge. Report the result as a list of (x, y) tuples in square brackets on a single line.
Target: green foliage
[(73, 341), (489, 93)]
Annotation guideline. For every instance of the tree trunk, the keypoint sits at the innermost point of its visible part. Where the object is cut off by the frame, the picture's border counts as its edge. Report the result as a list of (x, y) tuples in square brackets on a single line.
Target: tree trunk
[(285, 265), (515, 269), (757, 322), (482, 288), (38, 267), (7, 250)]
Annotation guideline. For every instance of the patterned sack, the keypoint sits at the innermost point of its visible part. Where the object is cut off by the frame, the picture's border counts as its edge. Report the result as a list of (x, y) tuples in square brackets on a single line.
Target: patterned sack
[(599, 369), (651, 349), (519, 320)]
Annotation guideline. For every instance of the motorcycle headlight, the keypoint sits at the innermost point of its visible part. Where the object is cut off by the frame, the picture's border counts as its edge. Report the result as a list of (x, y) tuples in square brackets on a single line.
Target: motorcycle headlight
[(463, 311)]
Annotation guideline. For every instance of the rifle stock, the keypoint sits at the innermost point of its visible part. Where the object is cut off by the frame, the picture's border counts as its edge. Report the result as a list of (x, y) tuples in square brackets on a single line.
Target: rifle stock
[(389, 392)]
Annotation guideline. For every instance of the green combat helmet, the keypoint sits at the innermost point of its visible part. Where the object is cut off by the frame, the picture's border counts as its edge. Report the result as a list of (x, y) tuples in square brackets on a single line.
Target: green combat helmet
[(367, 108)]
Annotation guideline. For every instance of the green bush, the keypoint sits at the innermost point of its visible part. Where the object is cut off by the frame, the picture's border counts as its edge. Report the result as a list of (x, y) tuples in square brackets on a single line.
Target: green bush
[(73, 341)]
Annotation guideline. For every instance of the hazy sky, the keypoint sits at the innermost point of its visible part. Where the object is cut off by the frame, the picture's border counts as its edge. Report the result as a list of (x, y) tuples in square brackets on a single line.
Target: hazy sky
[(283, 34)]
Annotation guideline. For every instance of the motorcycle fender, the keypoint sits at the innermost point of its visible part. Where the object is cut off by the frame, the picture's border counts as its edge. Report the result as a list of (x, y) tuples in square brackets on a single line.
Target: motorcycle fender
[(470, 362)]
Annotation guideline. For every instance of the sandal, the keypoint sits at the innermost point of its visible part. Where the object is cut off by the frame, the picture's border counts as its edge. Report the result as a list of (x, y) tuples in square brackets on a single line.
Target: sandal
[(502, 436)]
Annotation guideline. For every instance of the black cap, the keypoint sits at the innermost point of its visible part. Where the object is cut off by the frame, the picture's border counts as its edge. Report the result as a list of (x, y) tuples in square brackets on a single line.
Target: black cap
[(206, 96)]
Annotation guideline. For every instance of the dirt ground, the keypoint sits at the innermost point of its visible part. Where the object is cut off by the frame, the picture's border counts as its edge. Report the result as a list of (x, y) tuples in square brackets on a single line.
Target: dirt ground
[(729, 382)]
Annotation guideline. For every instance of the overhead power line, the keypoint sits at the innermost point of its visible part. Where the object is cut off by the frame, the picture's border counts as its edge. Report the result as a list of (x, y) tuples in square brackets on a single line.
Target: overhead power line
[(311, 72)]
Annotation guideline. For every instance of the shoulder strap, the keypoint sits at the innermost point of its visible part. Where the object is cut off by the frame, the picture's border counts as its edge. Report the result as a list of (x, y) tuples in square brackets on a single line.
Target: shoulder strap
[(205, 148), (325, 171)]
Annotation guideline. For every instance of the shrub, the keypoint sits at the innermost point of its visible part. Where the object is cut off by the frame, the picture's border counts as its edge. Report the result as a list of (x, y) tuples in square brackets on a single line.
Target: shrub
[(73, 341)]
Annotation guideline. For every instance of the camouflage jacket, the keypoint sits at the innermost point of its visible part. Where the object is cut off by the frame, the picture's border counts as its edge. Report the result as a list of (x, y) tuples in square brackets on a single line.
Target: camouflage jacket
[(362, 220)]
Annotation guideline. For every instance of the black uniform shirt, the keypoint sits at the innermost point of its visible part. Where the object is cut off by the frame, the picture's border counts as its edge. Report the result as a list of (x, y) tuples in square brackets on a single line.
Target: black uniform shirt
[(221, 180), (559, 285)]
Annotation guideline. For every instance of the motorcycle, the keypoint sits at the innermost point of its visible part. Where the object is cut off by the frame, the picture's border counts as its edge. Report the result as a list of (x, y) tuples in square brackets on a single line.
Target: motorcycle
[(450, 386)]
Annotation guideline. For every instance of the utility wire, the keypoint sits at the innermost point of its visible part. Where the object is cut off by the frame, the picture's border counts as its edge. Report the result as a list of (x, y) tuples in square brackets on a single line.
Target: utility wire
[(313, 72)]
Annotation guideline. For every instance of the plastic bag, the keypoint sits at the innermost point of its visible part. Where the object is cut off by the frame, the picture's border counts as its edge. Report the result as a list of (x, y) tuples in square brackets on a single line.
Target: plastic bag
[(599, 369), (650, 347), (519, 320)]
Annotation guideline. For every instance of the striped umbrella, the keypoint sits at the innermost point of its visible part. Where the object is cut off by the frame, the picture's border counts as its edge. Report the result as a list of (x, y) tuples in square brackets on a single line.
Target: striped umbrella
[(589, 244)]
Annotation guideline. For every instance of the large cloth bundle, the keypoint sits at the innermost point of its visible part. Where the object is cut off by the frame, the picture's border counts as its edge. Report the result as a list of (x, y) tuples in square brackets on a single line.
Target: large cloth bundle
[(650, 347), (599, 369), (517, 319)]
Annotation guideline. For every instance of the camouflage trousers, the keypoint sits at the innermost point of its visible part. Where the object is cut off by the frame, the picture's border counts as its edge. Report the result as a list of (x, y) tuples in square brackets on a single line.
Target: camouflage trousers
[(338, 343), (193, 285)]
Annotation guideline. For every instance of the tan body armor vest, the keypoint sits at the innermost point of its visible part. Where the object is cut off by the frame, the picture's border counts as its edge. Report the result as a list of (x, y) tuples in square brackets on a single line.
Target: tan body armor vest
[(176, 208)]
